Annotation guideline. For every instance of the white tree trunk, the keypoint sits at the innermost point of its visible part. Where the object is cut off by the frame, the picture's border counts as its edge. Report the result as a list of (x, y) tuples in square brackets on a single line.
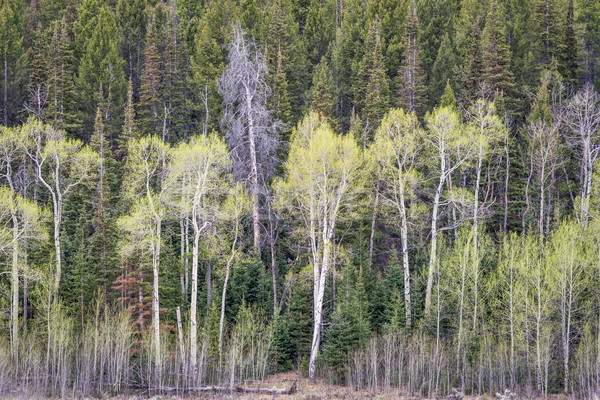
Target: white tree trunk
[(316, 340), (434, 234), (193, 306), (405, 263)]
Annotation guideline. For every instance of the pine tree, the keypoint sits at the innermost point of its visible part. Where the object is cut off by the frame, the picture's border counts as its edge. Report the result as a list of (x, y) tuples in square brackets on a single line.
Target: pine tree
[(549, 43), (318, 32), (279, 102), (366, 67), (207, 62), (321, 101), (286, 57), (442, 70), (132, 21), (61, 90), (570, 57), (130, 130), (99, 64), (11, 56), (410, 87), (150, 108), (391, 15), (347, 57), (474, 74), (448, 99), (102, 252), (497, 78), (377, 95)]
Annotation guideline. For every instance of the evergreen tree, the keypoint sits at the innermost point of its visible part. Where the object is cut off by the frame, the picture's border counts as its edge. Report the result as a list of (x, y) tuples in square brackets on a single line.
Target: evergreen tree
[(410, 87), (318, 32), (207, 62), (549, 43), (102, 242), (132, 21), (130, 130), (12, 80), (286, 61), (377, 95), (176, 117), (497, 78), (571, 56), (347, 56), (442, 70), (279, 102), (61, 91), (448, 99), (150, 108), (100, 65), (321, 101)]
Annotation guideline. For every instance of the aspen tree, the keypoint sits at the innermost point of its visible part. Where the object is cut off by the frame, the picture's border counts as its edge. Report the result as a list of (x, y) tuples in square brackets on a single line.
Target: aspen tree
[(201, 171), (398, 142), (61, 165), (148, 164), (452, 148), (322, 181)]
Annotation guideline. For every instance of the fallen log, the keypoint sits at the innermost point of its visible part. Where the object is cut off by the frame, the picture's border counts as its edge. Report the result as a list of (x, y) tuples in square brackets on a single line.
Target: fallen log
[(238, 389)]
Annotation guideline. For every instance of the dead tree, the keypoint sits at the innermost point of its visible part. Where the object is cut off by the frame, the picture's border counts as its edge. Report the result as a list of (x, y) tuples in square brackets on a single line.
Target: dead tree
[(252, 135)]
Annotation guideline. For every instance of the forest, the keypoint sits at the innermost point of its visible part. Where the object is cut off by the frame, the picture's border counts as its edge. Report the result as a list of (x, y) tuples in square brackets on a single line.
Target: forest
[(394, 196)]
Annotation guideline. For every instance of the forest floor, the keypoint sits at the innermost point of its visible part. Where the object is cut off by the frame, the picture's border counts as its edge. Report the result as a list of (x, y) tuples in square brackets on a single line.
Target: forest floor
[(319, 391), (305, 391)]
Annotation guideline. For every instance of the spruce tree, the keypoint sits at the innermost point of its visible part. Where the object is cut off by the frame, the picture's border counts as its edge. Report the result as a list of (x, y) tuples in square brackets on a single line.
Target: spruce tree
[(377, 95), (130, 130), (12, 84), (442, 70), (61, 91), (410, 87), (150, 108), (279, 102), (100, 65), (497, 78), (321, 101), (547, 28), (102, 252), (571, 56)]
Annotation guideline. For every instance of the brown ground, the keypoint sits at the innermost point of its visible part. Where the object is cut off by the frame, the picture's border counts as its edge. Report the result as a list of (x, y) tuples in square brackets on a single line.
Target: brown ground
[(320, 391), (305, 391)]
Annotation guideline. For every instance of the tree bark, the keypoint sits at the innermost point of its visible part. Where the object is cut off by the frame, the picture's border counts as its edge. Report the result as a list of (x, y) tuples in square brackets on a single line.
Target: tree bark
[(405, 263), (434, 234), (253, 172), (193, 304), (312, 364)]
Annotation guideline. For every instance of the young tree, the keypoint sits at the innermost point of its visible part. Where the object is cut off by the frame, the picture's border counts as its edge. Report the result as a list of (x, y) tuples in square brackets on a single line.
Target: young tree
[(148, 164), (322, 182), (452, 148), (411, 88), (234, 209), (567, 273), (583, 119), (61, 165), (200, 173), (252, 135), (485, 131), (397, 145), (21, 220)]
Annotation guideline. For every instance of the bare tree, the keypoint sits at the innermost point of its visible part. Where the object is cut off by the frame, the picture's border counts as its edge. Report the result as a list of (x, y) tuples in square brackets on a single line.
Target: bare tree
[(252, 135), (583, 121)]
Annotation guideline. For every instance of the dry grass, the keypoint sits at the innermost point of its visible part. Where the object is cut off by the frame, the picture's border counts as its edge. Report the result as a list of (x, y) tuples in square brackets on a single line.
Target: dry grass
[(305, 391)]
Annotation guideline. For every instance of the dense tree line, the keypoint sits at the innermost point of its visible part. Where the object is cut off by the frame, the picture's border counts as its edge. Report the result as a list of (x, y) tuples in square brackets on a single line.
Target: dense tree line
[(392, 193)]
